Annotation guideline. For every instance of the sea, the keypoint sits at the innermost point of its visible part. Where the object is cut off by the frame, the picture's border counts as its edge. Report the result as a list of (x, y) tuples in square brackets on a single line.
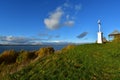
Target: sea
[(28, 48)]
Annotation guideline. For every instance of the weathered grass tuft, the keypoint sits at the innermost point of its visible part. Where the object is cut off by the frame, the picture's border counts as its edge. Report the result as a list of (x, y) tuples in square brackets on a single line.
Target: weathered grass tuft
[(8, 57), (68, 47), (45, 51), (25, 56)]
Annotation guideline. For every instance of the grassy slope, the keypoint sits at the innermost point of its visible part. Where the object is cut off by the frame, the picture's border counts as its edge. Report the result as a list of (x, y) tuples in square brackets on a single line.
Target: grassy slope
[(84, 62)]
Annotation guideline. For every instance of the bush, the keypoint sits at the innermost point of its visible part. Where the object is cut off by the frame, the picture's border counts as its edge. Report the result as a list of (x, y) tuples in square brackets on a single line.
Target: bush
[(8, 57), (45, 51)]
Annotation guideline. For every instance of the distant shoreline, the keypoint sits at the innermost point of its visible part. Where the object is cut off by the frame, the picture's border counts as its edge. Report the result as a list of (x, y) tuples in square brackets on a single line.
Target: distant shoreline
[(42, 44), (28, 47), (35, 45)]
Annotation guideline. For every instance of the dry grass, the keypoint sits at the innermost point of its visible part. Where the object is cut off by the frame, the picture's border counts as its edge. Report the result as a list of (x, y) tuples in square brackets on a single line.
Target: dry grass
[(68, 47), (45, 51), (25, 56), (8, 57)]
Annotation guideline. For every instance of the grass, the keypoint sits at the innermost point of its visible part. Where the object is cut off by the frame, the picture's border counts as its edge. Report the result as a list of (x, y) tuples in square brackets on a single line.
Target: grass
[(45, 51), (82, 62), (8, 57)]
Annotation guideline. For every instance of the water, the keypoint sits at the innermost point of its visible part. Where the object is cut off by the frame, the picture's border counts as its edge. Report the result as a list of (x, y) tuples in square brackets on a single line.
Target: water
[(29, 48)]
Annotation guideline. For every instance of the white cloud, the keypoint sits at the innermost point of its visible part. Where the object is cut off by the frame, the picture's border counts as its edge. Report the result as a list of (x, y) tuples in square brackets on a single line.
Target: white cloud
[(67, 17), (62, 16), (66, 4), (17, 40), (36, 43), (69, 23), (57, 42), (53, 21), (78, 7), (48, 36), (21, 40)]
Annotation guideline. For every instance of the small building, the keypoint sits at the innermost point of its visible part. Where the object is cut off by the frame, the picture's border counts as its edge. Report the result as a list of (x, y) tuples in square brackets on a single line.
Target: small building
[(114, 36)]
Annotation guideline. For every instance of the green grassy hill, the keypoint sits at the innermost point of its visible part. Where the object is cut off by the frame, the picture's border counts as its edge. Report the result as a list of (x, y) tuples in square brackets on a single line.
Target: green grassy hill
[(83, 62)]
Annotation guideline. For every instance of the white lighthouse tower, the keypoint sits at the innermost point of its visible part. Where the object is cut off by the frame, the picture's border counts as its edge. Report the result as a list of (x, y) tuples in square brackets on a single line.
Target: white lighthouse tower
[(100, 34)]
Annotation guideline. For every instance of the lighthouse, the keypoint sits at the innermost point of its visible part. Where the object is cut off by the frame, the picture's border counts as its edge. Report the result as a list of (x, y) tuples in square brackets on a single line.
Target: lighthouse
[(100, 34)]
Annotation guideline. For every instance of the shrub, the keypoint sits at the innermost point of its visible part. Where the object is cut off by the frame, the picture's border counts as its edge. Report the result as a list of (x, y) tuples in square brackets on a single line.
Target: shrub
[(45, 51), (8, 57)]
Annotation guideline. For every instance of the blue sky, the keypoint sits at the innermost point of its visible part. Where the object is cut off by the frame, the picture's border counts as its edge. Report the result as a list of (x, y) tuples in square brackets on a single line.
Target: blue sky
[(59, 21)]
